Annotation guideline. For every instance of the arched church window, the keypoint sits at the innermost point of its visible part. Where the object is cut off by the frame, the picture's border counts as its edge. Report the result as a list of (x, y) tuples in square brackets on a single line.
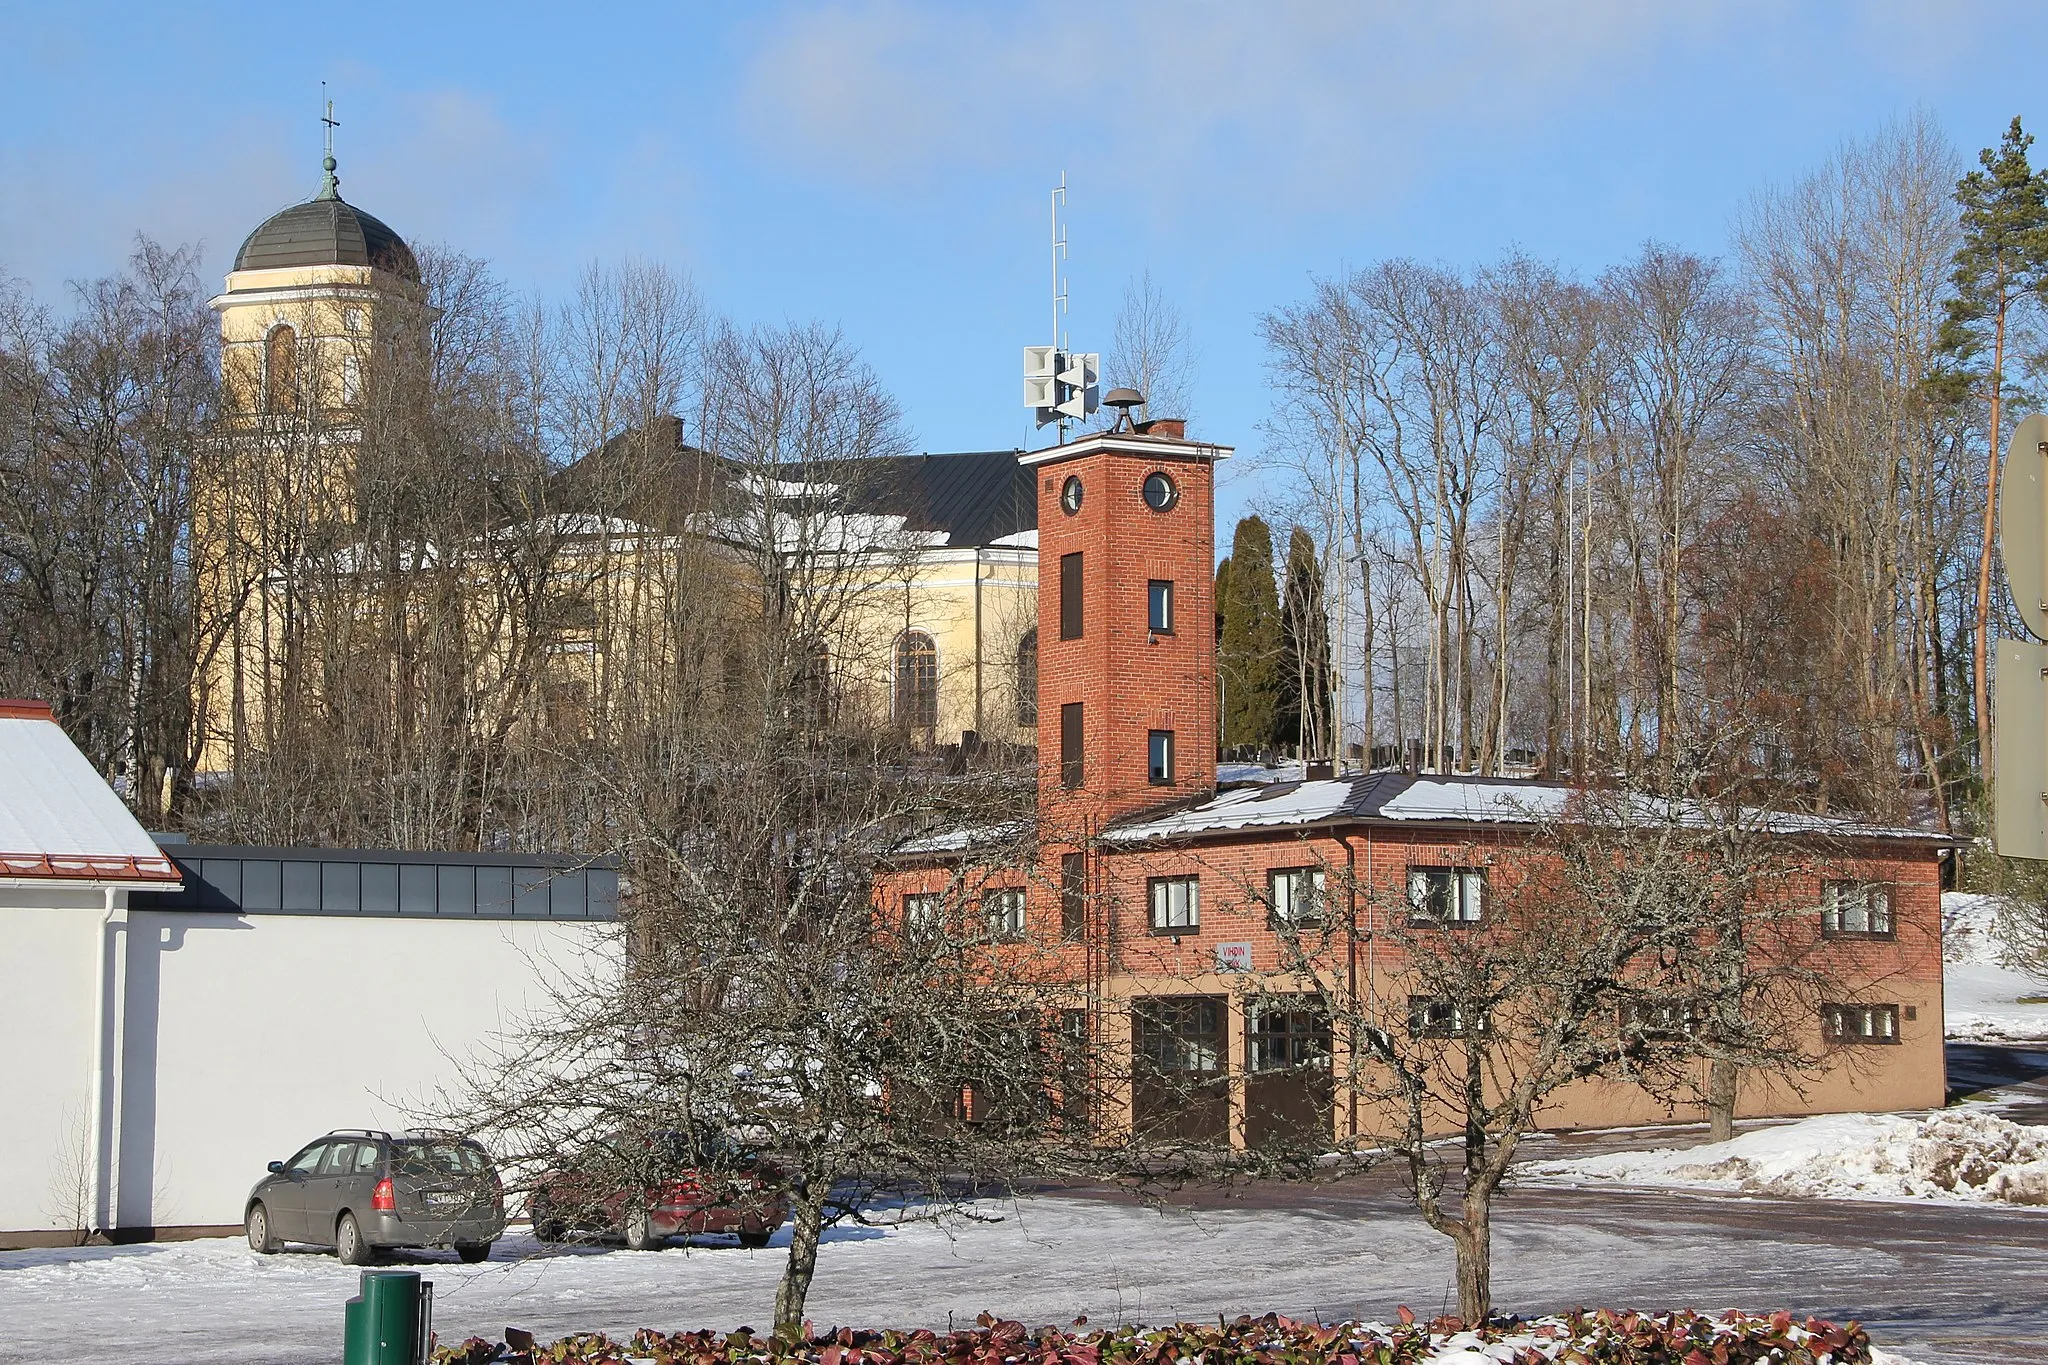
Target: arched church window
[(281, 369), (1027, 679), (812, 699), (917, 680)]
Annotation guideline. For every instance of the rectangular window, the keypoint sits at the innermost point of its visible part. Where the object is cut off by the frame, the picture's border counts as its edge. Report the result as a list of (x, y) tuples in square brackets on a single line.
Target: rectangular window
[(1446, 895), (1296, 896), (1070, 596), (1657, 1020), (1176, 904), (1073, 896), (1004, 908), (923, 912), (1855, 910), (1287, 1039), (1860, 1023), (1161, 746), (1430, 1017), (1159, 606), (1070, 745), (1179, 1034)]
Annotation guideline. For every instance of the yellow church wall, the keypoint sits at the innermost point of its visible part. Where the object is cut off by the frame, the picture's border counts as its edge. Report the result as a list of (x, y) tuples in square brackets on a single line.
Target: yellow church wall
[(976, 606), (337, 313), (288, 468)]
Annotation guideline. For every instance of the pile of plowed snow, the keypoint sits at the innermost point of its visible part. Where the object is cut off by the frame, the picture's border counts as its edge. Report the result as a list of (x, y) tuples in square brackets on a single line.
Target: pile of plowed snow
[(1961, 1156)]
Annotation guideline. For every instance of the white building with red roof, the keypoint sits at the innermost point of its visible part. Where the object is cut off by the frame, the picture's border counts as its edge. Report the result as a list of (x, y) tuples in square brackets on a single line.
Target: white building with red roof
[(71, 854), (175, 1016)]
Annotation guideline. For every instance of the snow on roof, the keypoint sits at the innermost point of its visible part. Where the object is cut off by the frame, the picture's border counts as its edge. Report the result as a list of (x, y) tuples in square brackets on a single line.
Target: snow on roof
[(1455, 799), (1287, 770), (1267, 806), (573, 524), (961, 839), (59, 820), (1020, 540), (1389, 798), (845, 533)]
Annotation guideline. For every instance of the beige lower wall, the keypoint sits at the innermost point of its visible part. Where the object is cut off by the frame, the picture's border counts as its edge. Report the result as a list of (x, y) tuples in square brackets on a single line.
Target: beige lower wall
[(1852, 1078)]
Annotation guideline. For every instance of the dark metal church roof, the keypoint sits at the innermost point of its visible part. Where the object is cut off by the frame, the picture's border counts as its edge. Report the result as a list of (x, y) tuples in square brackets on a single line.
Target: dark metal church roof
[(976, 497), (326, 231)]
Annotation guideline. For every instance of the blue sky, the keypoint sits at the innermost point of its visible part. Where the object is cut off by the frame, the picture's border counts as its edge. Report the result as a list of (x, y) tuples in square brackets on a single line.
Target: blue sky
[(885, 164)]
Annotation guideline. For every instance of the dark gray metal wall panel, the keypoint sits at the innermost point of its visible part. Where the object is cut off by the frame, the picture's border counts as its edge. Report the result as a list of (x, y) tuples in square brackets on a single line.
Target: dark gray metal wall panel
[(418, 889), (301, 887), (494, 892), (380, 888), (457, 890), (367, 882), (341, 888), (262, 884)]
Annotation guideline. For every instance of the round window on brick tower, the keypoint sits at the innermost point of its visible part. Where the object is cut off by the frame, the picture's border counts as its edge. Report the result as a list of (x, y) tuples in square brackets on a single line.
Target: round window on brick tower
[(1070, 495), (1160, 492)]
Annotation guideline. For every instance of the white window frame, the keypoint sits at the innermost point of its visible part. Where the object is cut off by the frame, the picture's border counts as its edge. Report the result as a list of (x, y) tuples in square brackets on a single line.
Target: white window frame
[(1860, 1024), (1175, 904), (1464, 888), (924, 912), (1158, 744), (1452, 1024), (1845, 902), (1284, 895), (1002, 907)]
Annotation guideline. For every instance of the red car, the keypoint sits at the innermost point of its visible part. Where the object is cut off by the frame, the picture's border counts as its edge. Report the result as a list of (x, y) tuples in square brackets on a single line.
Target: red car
[(649, 1188)]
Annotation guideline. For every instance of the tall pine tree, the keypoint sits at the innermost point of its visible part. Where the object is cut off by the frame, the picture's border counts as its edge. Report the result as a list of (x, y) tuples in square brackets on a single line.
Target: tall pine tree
[(2001, 266), (1304, 712), (1248, 654)]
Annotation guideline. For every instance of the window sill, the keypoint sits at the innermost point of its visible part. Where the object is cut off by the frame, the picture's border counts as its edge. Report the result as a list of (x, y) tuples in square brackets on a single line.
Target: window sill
[(1864, 1042), (1183, 931), (1431, 922), (1859, 936)]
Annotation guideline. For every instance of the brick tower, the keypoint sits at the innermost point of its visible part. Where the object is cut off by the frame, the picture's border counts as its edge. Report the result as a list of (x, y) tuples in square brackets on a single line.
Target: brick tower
[(1126, 625)]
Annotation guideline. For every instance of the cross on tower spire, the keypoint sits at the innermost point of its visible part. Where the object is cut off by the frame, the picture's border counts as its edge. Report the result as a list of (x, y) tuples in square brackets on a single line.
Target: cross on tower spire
[(330, 187)]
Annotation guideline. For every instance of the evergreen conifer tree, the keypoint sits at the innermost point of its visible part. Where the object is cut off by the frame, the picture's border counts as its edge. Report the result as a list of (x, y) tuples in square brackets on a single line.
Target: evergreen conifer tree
[(2001, 266), (1304, 710), (1248, 654)]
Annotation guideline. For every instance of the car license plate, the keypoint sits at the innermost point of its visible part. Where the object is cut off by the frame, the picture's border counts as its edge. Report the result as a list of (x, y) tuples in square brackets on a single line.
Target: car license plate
[(441, 1202)]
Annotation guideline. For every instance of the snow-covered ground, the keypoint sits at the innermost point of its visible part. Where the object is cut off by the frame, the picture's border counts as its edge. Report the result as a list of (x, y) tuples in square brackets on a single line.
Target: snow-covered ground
[(1328, 1255), (1959, 1155), (1570, 1236), (1982, 997)]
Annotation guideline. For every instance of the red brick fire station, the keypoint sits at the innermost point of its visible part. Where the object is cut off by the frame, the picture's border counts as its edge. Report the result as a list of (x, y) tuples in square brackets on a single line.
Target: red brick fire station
[(1167, 902)]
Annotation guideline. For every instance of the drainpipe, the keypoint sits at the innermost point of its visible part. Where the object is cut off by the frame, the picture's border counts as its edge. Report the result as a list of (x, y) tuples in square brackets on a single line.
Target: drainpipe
[(104, 1053), (1351, 966), (977, 643)]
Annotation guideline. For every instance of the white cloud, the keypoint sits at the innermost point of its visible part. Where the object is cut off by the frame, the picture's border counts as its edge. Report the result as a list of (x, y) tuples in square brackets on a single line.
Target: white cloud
[(1318, 96), (1316, 102)]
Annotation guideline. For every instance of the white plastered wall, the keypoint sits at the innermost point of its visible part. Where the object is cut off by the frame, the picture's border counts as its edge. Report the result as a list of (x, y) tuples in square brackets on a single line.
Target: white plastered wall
[(47, 975), (241, 1037)]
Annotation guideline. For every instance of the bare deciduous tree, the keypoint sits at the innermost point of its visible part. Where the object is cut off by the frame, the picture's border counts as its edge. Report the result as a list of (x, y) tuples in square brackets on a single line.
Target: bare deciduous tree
[(1150, 350)]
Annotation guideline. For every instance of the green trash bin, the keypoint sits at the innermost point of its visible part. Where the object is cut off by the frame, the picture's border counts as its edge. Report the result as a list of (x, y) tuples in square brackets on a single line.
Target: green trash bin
[(390, 1322)]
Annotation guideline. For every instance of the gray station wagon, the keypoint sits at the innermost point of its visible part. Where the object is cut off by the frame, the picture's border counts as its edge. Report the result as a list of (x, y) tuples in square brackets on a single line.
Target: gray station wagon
[(358, 1190)]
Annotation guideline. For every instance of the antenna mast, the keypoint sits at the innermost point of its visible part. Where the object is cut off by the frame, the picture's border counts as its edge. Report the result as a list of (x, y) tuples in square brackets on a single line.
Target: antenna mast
[(1059, 286), (1059, 385)]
